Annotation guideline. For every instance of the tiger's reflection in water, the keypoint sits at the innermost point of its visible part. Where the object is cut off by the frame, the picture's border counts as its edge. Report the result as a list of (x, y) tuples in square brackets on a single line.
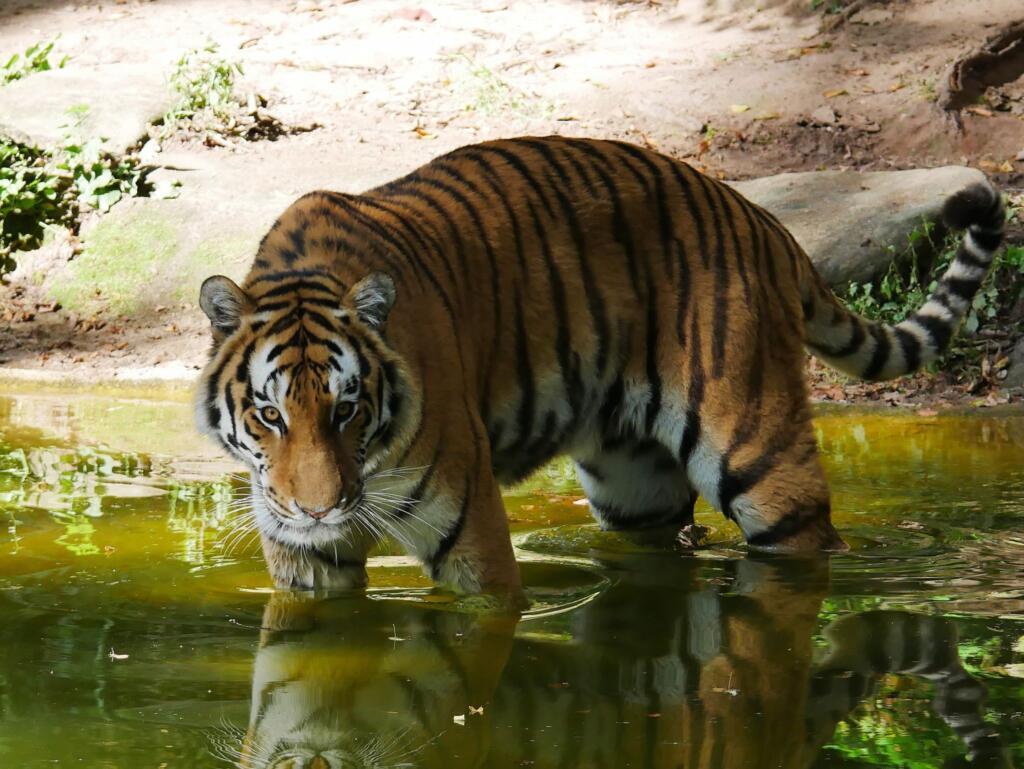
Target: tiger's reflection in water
[(680, 664)]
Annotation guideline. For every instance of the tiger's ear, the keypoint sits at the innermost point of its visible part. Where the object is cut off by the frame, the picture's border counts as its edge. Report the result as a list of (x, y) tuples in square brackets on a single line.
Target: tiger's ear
[(372, 298), (224, 304)]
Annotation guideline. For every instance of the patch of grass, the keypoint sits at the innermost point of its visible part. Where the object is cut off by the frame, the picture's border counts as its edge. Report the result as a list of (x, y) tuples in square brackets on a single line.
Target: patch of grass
[(492, 95), (99, 178), (35, 58), (40, 189), (926, 90), (223, 255), (120, 255), (204, 84)]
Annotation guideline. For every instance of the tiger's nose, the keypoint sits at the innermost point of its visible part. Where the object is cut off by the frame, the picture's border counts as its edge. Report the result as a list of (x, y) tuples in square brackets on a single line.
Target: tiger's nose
[(315, 513)]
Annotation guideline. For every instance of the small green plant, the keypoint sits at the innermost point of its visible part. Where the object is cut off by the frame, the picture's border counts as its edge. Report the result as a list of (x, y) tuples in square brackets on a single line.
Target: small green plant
[(830, 6), (31, 197), (926, 90), (35, 58), (99, 179), (901, 289), (39, 189), (205, 87), (492, 95)]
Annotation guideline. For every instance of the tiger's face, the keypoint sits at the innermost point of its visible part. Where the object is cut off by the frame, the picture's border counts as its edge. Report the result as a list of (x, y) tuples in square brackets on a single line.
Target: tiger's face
[(303, 388)]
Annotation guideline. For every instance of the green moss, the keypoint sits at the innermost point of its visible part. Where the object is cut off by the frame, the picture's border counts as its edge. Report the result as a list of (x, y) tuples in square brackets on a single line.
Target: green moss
[(228, 255), (123, 256)]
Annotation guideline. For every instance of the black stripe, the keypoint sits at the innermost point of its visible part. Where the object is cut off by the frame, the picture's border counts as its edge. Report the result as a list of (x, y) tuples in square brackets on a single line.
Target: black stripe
[(295, 340), (911, 348), (964, 288), (451, 536), (413, 226), (571, 378), (384, 233), (591, 287), (965, 257), (406, 508), (719, 324), (791, 524), (987, 239), (527, 390), (438, 286), (939, 329), (880, 356), (493, 263), (621, 232), (521, 168), (495, 183), (298, 285), (857, 337), (619, 519), (665, 223), (591, 469), (691, 434)]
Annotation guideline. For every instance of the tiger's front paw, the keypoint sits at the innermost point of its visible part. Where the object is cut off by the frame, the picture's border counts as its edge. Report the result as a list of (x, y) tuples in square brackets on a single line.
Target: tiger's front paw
[(308, 569)]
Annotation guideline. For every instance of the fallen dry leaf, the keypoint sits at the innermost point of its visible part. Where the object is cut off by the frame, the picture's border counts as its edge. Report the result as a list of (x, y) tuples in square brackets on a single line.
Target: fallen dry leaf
[(738, 108), (980, 111), (413, 14), (835, 92)]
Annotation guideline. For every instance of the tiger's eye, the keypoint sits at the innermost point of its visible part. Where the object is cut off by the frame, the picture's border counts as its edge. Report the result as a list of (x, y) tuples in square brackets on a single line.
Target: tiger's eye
[(270, 415), (344, 410)]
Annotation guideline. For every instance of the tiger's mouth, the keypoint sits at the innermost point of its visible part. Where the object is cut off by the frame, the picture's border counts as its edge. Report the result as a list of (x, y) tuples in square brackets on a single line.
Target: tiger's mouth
[(300, 530)]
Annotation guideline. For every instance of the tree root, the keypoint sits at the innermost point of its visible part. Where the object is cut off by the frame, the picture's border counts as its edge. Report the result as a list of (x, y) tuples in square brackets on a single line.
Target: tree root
[(999, 60)]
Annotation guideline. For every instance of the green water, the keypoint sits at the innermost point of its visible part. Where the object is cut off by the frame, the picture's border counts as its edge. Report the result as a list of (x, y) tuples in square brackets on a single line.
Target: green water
[(137, 633)]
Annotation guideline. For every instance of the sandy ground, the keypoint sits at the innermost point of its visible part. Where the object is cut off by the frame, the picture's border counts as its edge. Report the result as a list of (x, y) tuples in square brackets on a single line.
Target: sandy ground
[(739, 89)]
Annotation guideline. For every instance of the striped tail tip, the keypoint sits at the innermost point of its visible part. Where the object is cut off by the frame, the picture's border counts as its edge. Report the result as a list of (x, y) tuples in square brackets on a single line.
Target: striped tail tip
[(870, 350), (979, 206)]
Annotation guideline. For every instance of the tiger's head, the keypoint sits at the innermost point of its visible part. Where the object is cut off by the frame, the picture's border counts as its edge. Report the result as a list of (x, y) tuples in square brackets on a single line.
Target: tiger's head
[(304, 389)]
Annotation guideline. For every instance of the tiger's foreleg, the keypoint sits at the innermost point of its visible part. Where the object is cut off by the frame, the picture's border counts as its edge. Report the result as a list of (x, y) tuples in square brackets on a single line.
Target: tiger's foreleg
[(476, 554), (339, 566)]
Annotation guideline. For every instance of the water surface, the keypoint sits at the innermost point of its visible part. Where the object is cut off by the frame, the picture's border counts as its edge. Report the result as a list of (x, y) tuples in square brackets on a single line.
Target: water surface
[(137, 631)]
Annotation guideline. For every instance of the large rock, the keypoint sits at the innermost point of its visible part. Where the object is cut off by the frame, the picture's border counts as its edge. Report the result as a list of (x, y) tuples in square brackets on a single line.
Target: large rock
[(847, 220), (113, 102)]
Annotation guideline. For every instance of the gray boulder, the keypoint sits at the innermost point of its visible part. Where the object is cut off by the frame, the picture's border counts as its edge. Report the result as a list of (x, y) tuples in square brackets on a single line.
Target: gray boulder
[(113, 102), (1015, 369), (846, 220)]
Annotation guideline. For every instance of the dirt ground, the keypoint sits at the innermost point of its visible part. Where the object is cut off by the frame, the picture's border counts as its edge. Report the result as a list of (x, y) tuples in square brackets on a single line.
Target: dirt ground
[(739, 89)]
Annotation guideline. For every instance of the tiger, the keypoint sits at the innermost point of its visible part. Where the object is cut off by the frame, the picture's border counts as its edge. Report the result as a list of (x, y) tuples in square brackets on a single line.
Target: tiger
[(724, 676), (392, 357)]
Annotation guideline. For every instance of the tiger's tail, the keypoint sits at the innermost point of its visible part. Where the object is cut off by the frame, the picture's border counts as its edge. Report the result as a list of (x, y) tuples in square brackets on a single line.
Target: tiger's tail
[(870, 350)]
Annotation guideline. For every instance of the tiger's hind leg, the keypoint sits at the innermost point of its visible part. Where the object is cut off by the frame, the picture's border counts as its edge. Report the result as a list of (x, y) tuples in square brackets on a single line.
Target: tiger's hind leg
[(769, 480), (636, 486)]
